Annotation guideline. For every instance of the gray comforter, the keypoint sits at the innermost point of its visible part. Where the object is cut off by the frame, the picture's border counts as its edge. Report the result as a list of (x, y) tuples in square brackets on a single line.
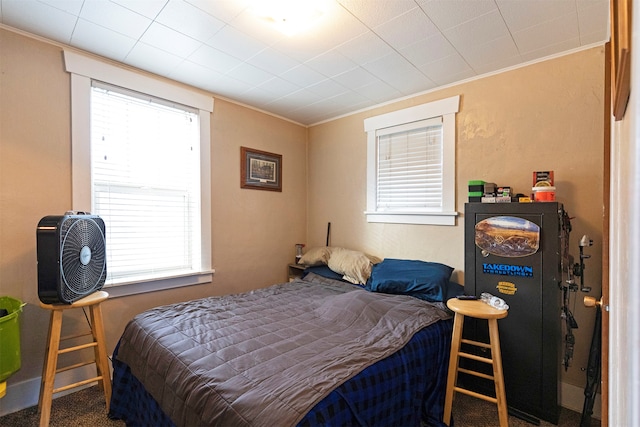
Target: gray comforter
[(266, 357)]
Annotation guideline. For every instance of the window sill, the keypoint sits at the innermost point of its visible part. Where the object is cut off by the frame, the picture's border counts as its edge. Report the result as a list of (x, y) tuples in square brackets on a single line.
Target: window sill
[(436, 218), (140, 287)]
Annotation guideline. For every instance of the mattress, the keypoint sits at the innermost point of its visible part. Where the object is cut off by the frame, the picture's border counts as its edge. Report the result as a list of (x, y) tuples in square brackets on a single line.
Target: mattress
[(310, 352)]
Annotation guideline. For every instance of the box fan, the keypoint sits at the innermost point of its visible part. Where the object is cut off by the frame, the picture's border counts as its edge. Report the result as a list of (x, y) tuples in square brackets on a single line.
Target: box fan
[(72, 259)]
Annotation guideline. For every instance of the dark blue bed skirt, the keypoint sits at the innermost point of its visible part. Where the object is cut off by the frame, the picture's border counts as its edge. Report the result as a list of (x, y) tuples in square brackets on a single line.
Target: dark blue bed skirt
[(404, 389)]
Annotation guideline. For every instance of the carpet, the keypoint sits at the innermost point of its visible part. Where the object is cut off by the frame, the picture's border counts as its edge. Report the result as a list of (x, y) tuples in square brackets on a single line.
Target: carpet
[(87, 408)]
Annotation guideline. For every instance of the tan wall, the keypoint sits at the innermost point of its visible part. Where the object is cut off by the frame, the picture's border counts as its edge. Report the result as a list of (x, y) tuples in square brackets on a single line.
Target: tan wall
[(253, 231), (547, 116)]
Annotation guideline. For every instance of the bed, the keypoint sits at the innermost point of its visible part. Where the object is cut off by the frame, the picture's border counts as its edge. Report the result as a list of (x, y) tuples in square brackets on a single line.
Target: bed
[(319, 350)]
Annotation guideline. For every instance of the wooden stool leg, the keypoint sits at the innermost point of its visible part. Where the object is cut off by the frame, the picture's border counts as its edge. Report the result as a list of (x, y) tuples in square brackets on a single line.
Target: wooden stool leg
[(498, 377), (452, 375), (102, 362), (49, 370)]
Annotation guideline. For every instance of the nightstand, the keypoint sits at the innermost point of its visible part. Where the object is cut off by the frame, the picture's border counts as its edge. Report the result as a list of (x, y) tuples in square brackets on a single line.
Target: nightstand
[(294, 271)]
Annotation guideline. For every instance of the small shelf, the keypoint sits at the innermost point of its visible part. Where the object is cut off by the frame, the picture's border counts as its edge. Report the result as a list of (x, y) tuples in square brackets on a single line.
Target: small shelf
[(294, 271)]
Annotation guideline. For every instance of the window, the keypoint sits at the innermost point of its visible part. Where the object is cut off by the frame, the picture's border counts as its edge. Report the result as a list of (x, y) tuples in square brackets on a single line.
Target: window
[(140, 160), (411, 164)]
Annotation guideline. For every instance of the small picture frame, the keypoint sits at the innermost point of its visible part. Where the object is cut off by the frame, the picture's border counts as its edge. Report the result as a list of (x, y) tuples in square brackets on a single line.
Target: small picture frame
[(260, 170)]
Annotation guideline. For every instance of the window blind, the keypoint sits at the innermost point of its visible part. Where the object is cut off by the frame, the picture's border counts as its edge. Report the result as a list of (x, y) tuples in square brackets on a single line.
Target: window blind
[(410, 167), (145, 165)]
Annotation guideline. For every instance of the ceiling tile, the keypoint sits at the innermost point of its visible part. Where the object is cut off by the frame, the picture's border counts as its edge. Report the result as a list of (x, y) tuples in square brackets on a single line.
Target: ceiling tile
[(387, 67), (355, 78), (100, 40), (395, 31), (590, 15), (447, 14), (71, 6), (591, 38), (477, 31), (522, 14), (236, 43), (291, 101), (379, 92), (365, 48), (279, 87), (224, 10), (499, 63), (327, 88), (189, 20), (299, 50), (428, 50), (414, 82), (374, 13), (247, 22), (170, 40), (549, 50), (330, 63), (302, 75), (214, 59), (147, 8), (259, 96), (443, 70), (493, 51), (338, 105), (273, 61), (116, 18), (547, 33), (455, 77), (41, 19), (249, 74), (335, 27), (232, 88), (198, 76), (315, 111), (152, 59)]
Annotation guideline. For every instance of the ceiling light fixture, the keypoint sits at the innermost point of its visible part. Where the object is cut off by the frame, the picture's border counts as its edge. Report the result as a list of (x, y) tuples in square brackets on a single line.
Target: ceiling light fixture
[(290, 16)]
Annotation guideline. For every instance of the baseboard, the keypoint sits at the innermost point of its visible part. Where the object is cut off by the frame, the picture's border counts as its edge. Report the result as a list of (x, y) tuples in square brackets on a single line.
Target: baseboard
[(572, 397), (25, 394)]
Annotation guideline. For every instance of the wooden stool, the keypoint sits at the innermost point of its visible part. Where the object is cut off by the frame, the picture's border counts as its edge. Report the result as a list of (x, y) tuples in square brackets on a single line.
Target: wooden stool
[(479, 310), (53, 350)]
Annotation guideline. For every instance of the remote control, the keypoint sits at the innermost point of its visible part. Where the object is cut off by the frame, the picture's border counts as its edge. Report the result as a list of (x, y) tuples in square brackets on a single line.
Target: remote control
[(467, 297)]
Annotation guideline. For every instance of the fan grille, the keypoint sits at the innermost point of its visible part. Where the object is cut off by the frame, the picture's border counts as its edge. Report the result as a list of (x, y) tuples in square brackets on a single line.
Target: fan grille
[(82, 257)]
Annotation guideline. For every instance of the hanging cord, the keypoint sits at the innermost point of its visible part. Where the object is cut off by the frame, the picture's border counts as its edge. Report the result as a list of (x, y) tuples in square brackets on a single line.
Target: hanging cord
[(91, 329), (87, 319)]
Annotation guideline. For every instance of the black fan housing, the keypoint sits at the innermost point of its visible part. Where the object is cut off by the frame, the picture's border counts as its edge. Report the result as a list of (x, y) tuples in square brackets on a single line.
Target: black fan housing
[(72, 258)]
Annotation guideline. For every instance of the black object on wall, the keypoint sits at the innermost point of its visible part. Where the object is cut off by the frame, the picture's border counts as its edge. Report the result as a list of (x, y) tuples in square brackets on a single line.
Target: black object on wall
[(514, 251)]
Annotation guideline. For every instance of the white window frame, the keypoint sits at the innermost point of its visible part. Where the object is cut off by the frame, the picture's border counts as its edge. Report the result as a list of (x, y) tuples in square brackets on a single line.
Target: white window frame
[(445, 109), (83, 69)]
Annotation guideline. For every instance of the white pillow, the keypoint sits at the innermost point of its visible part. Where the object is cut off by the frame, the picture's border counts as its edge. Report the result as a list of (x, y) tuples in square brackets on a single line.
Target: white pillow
[(353, 265), (316, 256)]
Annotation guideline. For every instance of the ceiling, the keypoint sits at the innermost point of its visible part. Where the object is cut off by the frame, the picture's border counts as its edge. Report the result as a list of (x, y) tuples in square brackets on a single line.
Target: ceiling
[(359, 53)]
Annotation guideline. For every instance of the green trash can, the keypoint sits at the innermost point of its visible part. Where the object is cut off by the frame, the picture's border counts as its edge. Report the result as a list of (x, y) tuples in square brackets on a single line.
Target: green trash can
[(10, 309)]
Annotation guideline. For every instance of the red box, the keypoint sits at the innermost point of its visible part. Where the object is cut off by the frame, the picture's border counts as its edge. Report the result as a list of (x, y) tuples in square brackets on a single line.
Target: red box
[(543, 179)]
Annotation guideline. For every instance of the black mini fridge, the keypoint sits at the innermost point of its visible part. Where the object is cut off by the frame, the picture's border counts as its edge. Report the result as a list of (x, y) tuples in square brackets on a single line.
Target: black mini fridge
[(514, 251)]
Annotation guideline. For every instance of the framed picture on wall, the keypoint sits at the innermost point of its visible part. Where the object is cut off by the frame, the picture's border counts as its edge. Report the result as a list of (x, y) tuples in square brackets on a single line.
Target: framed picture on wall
[(620, 55), (260, 170)]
